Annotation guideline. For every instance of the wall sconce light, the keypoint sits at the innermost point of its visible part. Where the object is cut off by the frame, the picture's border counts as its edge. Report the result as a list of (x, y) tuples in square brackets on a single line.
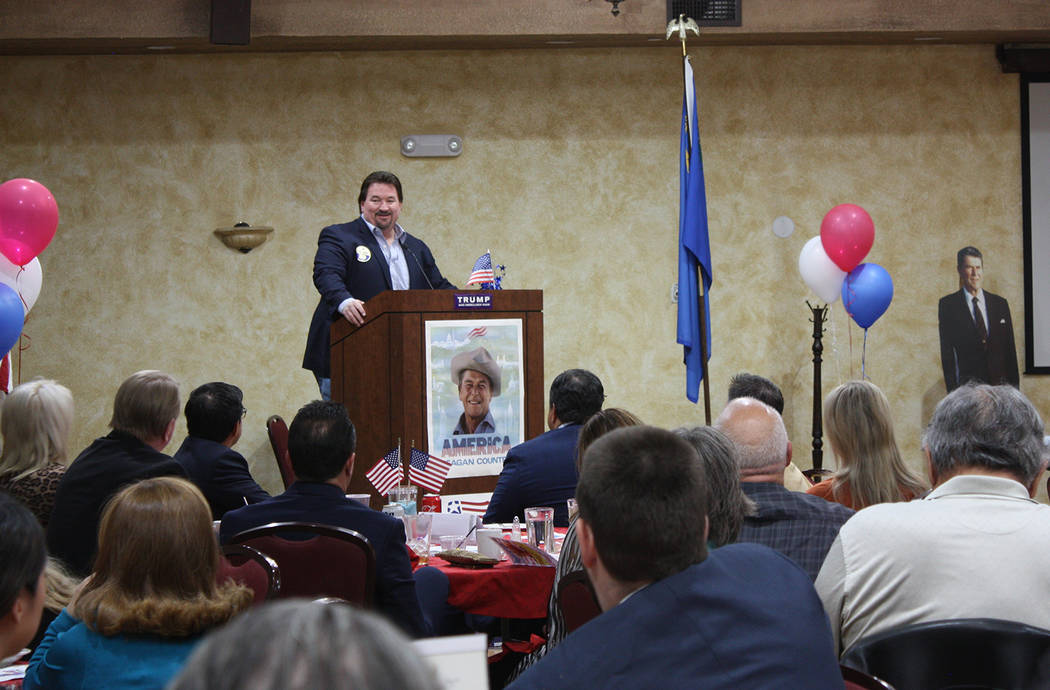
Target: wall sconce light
[(244, 237), (616, 7)]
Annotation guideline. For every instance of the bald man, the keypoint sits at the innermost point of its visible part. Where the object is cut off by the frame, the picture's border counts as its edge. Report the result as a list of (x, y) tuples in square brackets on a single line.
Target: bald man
[(792, 523)]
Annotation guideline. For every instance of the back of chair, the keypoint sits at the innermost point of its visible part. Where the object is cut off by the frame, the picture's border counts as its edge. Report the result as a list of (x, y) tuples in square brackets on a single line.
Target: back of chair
[(277, 430), (317, 560), (251, 567), (577, 600), (858, 680), (968, 652)]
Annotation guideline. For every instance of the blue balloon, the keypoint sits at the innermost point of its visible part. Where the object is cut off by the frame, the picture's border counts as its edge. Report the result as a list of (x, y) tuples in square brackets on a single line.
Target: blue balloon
[(12, 318), (866, 293)]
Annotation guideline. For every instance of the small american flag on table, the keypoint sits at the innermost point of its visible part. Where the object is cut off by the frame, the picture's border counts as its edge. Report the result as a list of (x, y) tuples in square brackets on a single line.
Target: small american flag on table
[(387, 473), (427, 471)]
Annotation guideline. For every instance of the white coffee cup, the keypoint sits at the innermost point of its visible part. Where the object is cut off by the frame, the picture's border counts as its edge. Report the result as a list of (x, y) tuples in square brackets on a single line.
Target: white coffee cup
[(487, 545)]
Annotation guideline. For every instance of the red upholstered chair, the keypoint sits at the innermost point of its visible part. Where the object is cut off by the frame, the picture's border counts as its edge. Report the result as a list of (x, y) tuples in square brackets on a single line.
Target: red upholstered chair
[(250, 567), (577, 600), (317, 560), (277, 430)]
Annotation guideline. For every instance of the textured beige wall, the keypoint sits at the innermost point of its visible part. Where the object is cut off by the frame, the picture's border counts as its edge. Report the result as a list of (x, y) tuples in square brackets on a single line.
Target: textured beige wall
[(569, 174)]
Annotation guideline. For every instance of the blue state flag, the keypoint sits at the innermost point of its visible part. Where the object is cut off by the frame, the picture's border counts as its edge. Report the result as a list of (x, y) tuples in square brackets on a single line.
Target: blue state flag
[(694, 248)]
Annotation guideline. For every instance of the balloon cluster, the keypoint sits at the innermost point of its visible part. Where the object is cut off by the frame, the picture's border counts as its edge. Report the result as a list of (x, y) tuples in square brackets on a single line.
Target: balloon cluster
[(28, 220), (831, 266)]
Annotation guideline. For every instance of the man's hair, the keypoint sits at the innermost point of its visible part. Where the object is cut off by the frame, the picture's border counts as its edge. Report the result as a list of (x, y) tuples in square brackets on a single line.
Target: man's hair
[(991, 427), (745, 385), (757, 433), (643, 495), (22, 551), (213, 410), (145, 404), (379, 177), (726, 502), (575, 395), (321, 439), (303, 645), (35, 421), (965, 252)]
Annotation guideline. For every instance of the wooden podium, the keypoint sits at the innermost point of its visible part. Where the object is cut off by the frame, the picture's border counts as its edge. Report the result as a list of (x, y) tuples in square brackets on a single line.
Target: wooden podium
[(379, 373)]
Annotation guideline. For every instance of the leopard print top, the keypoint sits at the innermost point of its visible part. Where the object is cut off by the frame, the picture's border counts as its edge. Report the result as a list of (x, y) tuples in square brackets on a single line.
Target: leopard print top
[(36, 490)]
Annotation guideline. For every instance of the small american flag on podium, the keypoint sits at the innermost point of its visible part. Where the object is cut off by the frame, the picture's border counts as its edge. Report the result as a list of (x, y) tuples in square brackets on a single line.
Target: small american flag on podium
[(427, 471), (387, 473), (482, 272)]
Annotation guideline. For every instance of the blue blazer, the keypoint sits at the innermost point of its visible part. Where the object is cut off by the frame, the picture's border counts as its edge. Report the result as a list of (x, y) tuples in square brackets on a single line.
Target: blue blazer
[(339, 274), (326, 504), (747, 617), (220, 473), (540, 472)]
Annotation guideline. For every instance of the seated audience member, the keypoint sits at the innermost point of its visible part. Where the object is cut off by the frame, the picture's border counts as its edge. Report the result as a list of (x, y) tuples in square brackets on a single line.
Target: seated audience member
[(321, 443), (745, 385), (151, 596), (726, 502), (22, 584), (306, 645), (797, 525), (859, 428), (974, 547), (213, 420), (144, 413), (601, 423), (36, 419), (542, 471), (674, 615)]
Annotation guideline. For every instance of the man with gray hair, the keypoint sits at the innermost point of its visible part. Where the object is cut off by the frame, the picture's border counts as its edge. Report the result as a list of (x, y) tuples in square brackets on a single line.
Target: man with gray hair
[(974, 547), (793, 523), (144, 413)]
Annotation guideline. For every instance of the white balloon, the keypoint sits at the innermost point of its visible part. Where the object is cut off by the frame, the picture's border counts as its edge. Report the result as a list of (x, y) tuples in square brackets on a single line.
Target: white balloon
[(25, 280), (820, 272)]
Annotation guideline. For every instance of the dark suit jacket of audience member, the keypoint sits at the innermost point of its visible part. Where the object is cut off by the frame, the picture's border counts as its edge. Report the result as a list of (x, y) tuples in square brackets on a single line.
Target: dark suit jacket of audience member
[(540, 472), (221, 473), (744, 618), (963, 358), (800, 526), (103, 468), (339, 273), (326, 504)]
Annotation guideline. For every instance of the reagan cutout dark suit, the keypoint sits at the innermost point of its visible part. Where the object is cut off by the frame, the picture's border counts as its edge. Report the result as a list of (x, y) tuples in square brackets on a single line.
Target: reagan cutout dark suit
[(963, 357), (349, 263)]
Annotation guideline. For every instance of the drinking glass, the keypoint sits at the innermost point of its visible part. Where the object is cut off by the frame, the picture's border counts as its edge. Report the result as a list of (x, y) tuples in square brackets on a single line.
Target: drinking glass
[(417, 534), (539, 525)]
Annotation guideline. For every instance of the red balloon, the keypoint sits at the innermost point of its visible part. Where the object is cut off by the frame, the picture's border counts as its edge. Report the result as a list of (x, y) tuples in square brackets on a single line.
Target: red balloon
[(847, 234), (28, 219)]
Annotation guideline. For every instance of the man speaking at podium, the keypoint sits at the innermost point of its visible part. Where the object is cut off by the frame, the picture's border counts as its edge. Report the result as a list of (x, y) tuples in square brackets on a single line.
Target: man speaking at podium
[(356, 261)]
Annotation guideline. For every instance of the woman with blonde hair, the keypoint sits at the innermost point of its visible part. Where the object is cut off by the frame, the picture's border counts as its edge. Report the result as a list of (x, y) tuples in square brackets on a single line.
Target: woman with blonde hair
[(35, 421), (152, 594), (859, 428)]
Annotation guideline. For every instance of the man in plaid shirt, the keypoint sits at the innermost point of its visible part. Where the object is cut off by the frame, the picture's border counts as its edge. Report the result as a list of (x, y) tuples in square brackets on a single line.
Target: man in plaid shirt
[(793, 523)]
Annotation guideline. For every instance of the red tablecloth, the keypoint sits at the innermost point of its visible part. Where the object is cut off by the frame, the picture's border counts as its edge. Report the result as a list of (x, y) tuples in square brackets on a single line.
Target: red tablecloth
[(504, 591)]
